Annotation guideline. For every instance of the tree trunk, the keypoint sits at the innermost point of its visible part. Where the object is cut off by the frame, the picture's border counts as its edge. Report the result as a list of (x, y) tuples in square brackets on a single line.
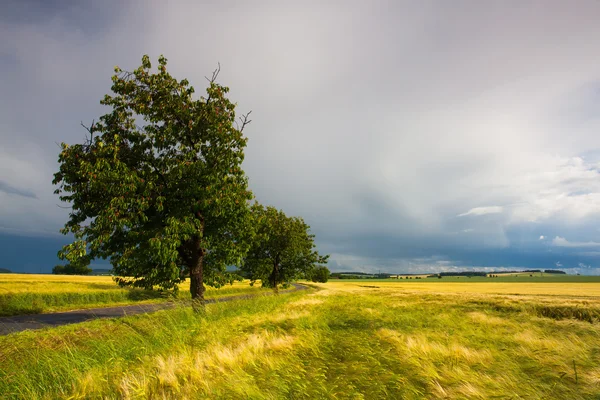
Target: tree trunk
[(197, 275), (275, 277)]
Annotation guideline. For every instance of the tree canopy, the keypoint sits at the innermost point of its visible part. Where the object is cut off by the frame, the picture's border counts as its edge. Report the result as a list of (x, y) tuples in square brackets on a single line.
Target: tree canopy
[(319, 274), (72, 269), (283, 249), (158, 187)]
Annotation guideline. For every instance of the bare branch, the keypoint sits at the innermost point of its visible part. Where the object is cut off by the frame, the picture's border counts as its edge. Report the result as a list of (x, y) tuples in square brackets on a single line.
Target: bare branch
[(215, 74), (126, 75), (91, 130), (245, 121)]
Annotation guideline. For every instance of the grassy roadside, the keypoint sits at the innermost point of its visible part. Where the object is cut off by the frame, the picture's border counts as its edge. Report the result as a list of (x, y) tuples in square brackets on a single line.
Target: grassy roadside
[(343, 342), (33, 294), (102, 358)]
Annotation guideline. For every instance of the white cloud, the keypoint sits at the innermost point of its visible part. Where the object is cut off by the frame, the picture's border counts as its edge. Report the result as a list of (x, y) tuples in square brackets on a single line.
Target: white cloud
[(563, 188), (562, 242), (482, 211), (558, 264), (542, 237)]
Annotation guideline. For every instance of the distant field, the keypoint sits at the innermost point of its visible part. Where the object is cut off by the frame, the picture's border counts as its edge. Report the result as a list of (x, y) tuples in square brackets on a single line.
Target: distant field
[(347, 340), (33, 293), (548, 278), (577, 286), (411, 276)]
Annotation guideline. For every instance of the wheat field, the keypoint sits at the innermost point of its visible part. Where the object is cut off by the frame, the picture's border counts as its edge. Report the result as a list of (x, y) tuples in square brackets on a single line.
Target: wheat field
[(33, 293), (341, 340)]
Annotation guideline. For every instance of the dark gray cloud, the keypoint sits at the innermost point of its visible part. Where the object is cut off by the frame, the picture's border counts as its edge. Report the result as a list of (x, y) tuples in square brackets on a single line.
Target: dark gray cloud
[(8, 189), (408, 134)]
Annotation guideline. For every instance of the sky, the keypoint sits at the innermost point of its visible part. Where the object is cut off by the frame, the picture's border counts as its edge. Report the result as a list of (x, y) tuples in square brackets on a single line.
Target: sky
[(412, 136)]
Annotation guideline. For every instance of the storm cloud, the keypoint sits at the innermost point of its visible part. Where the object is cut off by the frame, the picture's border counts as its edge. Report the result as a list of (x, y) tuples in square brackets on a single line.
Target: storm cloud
[(8, 189), (410, 135)]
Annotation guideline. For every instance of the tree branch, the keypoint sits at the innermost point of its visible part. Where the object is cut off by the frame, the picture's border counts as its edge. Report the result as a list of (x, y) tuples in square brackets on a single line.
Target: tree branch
[(91, 130), (245, 121), (215, 74)]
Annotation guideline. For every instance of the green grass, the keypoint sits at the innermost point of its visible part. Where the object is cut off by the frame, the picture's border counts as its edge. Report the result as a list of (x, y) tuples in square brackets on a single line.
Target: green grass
[(32, 294), (93, 358), (342, 342)]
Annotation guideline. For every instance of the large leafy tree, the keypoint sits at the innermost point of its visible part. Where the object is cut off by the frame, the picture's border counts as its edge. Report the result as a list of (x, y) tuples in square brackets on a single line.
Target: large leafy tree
[(282, 249), (158, 186)]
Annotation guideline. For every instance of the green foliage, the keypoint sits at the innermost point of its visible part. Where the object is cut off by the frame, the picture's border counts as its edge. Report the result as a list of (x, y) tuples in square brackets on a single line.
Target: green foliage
[(158, 188), (319, 274), (5, 271), (72, 269), (282, 248)]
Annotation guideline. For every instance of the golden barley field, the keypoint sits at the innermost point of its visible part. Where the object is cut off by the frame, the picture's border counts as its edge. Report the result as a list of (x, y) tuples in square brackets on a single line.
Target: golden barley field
[(577, 289), (339, 340), (39, 293)]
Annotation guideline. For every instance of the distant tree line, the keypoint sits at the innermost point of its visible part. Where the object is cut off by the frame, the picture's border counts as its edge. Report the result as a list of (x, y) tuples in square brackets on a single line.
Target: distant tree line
[(358, 275), (493, 274), (548, 271), (351, 273), (515, 271), (463, 273), (347, 275)]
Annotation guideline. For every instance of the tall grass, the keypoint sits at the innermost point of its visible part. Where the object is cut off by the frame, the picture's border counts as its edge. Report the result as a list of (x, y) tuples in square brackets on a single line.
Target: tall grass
[(342, 342), (30, 294)]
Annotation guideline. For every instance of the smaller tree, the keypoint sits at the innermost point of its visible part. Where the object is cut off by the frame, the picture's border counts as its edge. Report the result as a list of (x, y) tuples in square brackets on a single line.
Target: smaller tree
[(282, 249), (319, 274), (72, 269)]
